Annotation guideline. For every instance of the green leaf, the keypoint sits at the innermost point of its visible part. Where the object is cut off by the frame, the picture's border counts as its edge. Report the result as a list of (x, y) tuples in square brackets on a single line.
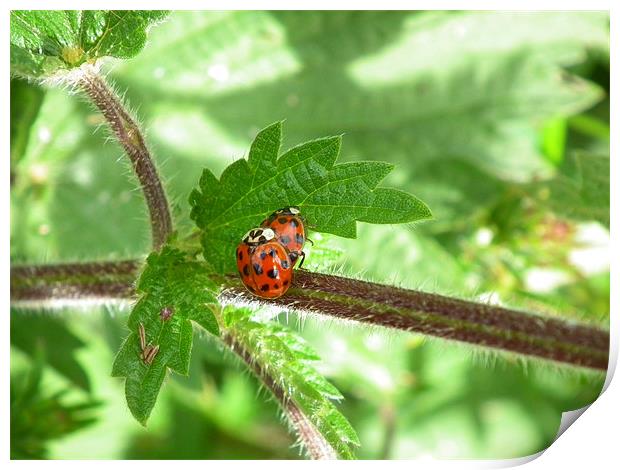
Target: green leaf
[(554, 140), (39, 416), (185, 289), (26, 100), (68, 177), (332, 197), (288, 359), (44, 42), (49, 336), (478, 94), (582, 192)]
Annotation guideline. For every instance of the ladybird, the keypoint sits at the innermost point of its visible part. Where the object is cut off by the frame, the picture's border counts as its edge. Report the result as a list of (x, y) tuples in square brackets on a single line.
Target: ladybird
[(289, 229), (264, 264)]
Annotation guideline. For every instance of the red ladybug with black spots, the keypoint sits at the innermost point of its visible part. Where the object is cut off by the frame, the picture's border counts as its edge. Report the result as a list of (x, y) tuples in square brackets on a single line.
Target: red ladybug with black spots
[(288, 226), (264, 264)]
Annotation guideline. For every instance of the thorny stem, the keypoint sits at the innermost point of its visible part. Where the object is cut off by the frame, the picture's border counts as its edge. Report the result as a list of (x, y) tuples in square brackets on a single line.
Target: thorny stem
[(490, 326), (129, 136), (314, 442)]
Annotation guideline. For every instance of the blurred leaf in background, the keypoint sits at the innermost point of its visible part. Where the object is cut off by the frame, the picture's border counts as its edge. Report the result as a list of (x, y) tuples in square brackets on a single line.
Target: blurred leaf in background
[(25, 104), (34, 333), (499, 121), (38, 416)]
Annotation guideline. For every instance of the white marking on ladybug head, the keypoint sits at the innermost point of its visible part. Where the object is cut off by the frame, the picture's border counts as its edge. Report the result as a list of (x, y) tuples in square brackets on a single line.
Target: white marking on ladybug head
[(292, 210), (256, 236)]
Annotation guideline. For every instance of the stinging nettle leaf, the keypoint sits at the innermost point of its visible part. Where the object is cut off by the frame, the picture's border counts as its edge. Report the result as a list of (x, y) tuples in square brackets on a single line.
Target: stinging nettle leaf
[(289, 361), (44, 42), (480, 99), (332, 197), (173, 291), (583, 195), (49, 336)]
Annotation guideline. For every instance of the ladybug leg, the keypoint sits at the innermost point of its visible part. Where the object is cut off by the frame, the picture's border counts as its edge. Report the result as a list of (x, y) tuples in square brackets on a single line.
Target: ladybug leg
[(303, 258), (311, 242)]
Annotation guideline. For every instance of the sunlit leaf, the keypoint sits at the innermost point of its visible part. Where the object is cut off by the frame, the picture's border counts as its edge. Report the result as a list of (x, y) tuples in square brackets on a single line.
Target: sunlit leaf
[(44, 42), (332, 197), (288, 360), (174, 292)]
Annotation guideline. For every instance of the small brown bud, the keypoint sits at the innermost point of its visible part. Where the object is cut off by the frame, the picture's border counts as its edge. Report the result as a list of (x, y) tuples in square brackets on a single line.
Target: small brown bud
[(166, 313)]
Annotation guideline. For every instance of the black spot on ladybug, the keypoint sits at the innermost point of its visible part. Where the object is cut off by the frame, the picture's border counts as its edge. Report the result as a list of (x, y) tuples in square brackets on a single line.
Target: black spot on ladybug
[(299, 238), (258, 269), (293, 255), (294, 223), (282, 220), (285, 283), (264, 287), (246, 270), (240, 254), (285, 264), (276, 286), (273, 273), (263, 255), (285, 239), (272, 252)]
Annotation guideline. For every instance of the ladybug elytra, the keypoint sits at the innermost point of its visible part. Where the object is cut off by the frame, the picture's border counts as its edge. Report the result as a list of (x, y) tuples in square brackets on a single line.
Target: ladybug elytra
[(264, 264), (289, 230)]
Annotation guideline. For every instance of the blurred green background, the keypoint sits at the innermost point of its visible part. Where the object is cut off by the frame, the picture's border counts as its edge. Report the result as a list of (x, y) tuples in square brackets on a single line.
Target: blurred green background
[(498, 121)]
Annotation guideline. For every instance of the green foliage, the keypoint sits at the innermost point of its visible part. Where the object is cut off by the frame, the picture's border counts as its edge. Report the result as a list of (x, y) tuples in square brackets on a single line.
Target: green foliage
[(173, 292), (26, 101), (583, 193), (38, 416), (477, 102), (37, 334), (44, 42), (288, 360), (331, 197), (72, 185), (465, 123)]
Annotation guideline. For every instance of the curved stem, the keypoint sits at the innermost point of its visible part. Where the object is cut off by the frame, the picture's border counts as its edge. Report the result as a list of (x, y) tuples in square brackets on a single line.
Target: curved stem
[(129, 136), (484, 325), (314, 442)]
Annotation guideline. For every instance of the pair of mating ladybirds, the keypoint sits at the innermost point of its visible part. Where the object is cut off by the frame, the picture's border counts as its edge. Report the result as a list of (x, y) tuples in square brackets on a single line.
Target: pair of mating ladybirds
[(267, 254)]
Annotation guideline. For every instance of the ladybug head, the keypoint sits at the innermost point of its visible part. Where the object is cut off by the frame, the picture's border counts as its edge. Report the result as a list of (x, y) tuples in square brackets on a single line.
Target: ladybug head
[(291, 210), (257, 236)]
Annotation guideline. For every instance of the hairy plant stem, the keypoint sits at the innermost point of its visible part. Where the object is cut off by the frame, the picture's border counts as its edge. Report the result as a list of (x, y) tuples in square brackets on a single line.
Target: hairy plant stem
[(485, 325), (49, 286), (129, 136), (313, 441)]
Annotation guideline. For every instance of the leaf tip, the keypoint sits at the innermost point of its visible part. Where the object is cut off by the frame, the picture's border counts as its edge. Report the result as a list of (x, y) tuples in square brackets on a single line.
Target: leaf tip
[(425, 212)]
